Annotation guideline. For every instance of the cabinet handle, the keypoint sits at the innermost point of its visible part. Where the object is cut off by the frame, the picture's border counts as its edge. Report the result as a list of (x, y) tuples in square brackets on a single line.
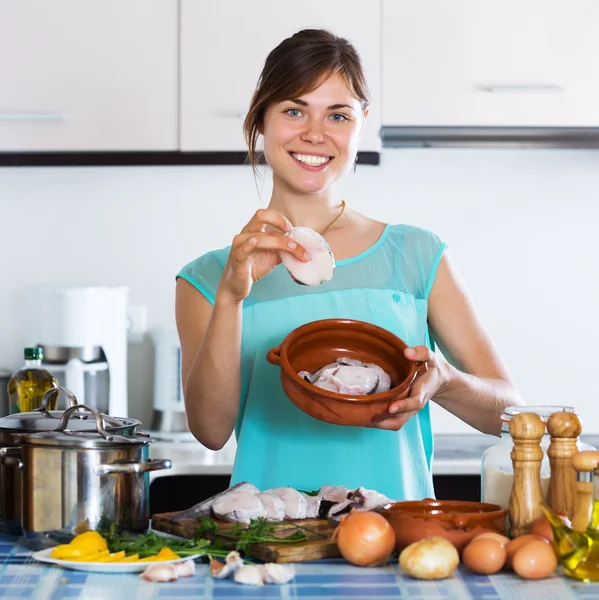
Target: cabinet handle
[(32, 116), (523, 88)]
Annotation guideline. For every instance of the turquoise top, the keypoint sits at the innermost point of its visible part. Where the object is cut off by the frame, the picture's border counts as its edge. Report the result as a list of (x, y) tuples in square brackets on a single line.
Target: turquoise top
[(278, 444)]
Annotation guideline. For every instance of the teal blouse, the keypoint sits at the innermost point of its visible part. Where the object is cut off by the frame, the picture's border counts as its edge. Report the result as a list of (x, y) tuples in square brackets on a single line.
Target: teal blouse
[(279, 445)]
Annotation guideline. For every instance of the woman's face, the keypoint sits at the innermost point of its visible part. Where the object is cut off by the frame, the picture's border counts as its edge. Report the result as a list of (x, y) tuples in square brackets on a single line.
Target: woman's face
[(311, 141)]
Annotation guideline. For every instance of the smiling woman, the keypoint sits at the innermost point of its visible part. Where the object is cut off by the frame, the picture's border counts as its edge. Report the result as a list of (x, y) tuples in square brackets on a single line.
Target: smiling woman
[(309, 110)]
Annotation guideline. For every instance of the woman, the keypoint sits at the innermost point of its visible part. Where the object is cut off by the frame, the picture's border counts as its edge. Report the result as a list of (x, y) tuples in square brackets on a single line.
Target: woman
[(311, 107)]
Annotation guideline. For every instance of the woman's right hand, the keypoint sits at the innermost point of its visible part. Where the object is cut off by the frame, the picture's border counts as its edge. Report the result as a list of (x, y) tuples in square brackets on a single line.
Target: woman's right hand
[(255, 253)]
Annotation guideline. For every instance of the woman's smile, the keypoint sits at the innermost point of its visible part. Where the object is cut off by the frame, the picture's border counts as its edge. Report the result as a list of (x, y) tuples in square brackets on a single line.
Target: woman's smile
[(311, 162)]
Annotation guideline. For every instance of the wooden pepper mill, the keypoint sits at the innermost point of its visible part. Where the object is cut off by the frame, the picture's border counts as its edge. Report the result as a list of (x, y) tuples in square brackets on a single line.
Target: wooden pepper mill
[(564, 429), (585, 464), (526, 429)]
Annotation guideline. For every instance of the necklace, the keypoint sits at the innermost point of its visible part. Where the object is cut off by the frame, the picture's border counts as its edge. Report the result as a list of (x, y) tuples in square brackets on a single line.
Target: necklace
[(335, 219)]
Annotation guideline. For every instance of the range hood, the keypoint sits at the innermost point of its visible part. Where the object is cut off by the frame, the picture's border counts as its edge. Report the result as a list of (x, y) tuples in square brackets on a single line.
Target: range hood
[(490, 137)]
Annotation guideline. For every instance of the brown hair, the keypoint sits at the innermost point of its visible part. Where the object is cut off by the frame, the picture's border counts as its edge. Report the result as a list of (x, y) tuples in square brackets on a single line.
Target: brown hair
[(296, 67)]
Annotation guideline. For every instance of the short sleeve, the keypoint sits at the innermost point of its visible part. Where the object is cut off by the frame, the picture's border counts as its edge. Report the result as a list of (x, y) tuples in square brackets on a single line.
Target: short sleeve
[(205, 273), (420, 254)]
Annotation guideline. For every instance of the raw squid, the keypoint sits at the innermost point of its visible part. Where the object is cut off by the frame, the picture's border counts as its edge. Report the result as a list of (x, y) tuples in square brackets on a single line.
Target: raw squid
[(204, 508), (238, 507), (319, 268), (275, 507), (351, 377), (312, 506), (369, 499), (296, 506)]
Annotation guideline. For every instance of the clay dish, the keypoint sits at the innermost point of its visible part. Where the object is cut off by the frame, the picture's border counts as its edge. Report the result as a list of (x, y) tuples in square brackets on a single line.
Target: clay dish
[(457, 521), (311, 346)]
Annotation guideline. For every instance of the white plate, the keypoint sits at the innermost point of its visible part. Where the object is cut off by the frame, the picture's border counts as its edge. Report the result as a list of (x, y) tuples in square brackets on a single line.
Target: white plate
[(103, 567)]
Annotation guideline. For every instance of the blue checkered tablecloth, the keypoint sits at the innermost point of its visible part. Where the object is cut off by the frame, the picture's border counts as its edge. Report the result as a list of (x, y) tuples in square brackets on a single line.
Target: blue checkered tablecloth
[(22, 577)]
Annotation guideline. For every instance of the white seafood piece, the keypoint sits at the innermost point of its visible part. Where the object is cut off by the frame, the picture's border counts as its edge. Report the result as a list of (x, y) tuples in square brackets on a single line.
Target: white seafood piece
[(384, 378), (249, 574), (296, 506), (277, 573), (204, 508), (313, 506), (159, 573), (186, 568), (333, 493), (369, 499), (221, 570), (346, 379), (322, 264), (275, 507), (238, 507)]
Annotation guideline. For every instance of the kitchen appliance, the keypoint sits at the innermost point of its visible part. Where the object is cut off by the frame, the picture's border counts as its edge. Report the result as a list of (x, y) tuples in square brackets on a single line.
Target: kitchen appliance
[(38, 421), (79, 480), (83, 333), (169, 407)]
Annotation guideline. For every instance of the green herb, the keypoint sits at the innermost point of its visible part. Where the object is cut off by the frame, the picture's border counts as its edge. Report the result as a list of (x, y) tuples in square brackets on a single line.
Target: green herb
[(150, 543), (259, 531), (312, 493)]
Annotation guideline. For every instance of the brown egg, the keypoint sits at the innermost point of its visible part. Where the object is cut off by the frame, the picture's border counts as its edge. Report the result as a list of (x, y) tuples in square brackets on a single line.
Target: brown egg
[(535, 560), (484, 556), (514, 545), (491, 535)]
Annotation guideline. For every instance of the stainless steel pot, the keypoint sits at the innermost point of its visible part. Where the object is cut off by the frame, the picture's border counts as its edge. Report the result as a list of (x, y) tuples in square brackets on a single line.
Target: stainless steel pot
[(38, 421), (78, 480)]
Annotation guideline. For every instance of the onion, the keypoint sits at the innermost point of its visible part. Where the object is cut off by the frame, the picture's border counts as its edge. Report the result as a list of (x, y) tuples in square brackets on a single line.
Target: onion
[(429, 558), (365, 538)]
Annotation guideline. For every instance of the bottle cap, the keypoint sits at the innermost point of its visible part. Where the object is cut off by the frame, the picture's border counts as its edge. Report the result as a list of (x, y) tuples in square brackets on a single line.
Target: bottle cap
[(34, 353)]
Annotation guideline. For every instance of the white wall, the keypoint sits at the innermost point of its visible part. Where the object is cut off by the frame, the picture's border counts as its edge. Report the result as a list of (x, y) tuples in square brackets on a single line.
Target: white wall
[(520, 224)]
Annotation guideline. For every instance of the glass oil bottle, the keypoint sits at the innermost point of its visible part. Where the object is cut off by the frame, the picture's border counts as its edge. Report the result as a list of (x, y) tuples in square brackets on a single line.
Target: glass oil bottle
[(29, 384), (577, 547)]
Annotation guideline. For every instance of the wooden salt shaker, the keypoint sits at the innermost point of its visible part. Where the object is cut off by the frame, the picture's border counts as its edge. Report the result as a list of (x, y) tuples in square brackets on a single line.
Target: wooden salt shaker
[(564, 429), (526, 429), (585, 464)]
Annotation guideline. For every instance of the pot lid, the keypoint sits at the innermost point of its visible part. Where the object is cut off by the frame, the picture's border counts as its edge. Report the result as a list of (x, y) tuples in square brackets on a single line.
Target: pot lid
[(98, 437), (43, 419), (83, 439), (48, 420)]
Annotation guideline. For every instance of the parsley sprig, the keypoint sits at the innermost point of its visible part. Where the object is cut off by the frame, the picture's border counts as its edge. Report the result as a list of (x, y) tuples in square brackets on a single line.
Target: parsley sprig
[(259, 531)]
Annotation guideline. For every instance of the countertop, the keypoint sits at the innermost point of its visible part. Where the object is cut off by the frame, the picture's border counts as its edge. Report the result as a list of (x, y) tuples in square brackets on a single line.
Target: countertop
[(455, 454), (22, 577)]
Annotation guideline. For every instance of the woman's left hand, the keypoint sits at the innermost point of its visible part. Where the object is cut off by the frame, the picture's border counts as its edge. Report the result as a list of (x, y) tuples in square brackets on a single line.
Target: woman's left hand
[(427, 384)]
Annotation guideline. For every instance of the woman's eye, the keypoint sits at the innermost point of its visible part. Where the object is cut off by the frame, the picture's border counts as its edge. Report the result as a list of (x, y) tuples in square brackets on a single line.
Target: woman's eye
[(338, 117), (294, 112)]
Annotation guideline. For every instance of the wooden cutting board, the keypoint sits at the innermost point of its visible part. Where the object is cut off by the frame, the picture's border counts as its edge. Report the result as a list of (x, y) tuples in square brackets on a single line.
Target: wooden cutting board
[(313, 549)]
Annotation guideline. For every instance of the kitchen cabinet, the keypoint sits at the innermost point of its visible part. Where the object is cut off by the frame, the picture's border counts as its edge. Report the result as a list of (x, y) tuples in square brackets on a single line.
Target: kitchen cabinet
[(493, 63), (223, 49), (99, 75)]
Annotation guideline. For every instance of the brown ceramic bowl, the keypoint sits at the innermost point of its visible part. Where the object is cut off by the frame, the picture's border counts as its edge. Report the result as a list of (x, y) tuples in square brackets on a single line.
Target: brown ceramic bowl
[(457, 521), (311, 346)]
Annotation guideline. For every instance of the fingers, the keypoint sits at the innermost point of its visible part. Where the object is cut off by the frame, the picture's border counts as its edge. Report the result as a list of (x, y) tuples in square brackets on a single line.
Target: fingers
[(247, 244), (393, 423), (419, 353), (267, 216), (413, 403)]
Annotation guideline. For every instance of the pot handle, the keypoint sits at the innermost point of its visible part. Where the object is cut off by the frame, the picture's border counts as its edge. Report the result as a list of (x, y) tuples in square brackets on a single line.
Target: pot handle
[(11, 455), (66, 415), (147, 466), (56, 390), (274, 356)]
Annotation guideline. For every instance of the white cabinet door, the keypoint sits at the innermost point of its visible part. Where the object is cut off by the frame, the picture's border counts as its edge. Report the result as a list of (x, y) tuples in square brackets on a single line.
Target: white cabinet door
[(93, 75), (491, 62), (223, 48)]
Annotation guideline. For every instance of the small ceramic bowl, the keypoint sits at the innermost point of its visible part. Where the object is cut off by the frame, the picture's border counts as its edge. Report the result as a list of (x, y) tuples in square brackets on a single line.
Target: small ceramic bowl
[(311, 346), (457, 521)]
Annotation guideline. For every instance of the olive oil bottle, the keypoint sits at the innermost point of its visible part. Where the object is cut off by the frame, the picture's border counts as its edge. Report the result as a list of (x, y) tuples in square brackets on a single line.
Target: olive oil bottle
[(28, 385)]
